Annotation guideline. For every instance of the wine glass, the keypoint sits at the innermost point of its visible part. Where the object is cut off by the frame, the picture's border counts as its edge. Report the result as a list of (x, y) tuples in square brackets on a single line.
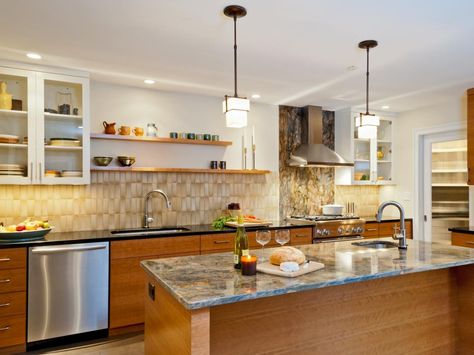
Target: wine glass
[(282, 236), (263, 237)]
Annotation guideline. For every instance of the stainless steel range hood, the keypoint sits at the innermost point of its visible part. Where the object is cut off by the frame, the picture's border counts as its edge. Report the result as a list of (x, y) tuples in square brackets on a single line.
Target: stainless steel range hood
[(314, 153)]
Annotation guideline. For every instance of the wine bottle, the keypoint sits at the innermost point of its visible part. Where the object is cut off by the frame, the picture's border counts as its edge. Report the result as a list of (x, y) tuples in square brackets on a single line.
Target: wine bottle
[(241, 243)]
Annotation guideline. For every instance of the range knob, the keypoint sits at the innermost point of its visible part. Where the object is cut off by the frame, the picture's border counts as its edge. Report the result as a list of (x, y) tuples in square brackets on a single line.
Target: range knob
[(360, 230), (341, 230), (325, 232), (354, 230), (318, 232), (348, 230)]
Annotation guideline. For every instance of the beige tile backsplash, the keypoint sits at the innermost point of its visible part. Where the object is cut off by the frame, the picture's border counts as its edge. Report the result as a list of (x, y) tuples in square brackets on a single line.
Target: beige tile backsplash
[(366, 198), (115, 199)]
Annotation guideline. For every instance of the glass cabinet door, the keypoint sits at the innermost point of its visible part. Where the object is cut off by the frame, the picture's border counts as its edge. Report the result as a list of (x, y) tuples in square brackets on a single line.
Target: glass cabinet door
[(17, 126), (64, 129)]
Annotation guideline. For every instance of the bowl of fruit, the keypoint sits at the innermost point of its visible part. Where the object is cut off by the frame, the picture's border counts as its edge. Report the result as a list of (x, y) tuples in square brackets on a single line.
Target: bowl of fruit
[(29, 229)]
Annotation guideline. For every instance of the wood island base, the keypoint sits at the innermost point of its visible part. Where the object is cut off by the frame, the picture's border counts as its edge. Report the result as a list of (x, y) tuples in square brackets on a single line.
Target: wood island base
[(425, 312)]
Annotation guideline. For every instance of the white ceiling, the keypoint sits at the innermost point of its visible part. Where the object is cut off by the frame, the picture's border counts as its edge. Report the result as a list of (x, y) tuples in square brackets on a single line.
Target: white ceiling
[(290, 51)]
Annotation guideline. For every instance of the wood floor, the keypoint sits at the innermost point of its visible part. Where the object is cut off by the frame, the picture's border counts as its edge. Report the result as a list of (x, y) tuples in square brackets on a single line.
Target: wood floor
[(120, 345)]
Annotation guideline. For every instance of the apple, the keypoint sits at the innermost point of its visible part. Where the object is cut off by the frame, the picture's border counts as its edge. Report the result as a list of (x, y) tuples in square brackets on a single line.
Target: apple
[(31, 226), (20, 227)]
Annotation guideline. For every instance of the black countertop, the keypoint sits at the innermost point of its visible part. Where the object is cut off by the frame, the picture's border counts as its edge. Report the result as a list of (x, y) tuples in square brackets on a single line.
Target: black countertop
[(372, 219), (465, 230), (106, 235)]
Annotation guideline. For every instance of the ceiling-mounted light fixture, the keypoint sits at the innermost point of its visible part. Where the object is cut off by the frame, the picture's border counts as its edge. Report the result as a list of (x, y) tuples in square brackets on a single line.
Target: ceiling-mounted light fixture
[(235, 107), (367, 123)]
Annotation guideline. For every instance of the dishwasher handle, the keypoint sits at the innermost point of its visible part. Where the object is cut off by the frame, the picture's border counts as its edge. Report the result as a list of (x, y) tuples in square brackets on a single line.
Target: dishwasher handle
[(57, 250)]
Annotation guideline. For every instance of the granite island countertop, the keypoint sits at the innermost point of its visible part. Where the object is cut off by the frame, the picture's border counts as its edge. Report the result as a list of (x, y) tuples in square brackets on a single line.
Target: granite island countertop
[(211, 280)]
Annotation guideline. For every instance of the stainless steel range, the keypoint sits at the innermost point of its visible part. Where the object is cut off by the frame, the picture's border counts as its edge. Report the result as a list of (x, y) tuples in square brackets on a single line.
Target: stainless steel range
[(332, 228)]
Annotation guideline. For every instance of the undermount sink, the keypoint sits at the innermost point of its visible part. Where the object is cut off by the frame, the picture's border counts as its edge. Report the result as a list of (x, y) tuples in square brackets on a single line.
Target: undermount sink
[(376, 244), (148, 231)]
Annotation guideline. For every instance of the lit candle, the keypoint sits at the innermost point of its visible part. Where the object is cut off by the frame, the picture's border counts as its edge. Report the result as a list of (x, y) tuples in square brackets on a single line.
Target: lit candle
[(249, 265)]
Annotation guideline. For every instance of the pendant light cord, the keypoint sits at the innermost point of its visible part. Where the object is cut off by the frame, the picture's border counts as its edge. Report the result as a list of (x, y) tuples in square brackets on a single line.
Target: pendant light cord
[(367, 86), (235, 56)]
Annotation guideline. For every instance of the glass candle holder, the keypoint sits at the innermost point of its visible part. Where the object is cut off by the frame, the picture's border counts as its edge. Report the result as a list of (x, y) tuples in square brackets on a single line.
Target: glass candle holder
[(249, 265)]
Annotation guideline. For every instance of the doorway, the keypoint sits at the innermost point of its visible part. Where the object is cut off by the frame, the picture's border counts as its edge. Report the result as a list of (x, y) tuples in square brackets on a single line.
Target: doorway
[(443, 193)]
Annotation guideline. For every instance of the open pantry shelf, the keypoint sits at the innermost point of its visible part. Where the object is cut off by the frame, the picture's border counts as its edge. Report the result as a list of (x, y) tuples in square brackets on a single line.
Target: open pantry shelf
[(159, 140), (179, 170)]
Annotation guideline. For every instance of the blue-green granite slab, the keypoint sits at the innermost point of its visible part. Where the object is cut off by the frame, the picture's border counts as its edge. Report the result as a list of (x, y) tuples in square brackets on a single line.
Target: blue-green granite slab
[(211, 280)]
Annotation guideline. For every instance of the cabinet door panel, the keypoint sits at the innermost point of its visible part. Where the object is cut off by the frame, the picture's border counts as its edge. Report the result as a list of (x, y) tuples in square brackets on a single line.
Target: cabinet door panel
[(18, 121), (127, 293)]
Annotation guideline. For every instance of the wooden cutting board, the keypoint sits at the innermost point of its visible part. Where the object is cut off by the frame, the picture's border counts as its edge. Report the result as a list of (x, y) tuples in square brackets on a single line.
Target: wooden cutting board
[(271, 269), (249, 224)]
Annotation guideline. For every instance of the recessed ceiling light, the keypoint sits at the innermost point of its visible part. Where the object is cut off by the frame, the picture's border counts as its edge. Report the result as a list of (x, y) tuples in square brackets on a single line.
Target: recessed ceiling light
[(385, 107), (149, 81), (33, 55), (351, 68), (255, 96)]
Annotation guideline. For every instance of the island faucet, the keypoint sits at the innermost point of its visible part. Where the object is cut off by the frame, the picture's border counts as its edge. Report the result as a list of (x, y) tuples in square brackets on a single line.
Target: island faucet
[(402, 239), (146, 218)]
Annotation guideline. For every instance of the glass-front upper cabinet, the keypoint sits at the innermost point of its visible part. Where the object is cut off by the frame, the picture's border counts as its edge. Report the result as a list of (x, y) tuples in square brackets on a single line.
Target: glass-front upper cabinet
[(373, 158), (17, 126), (44, 128), (64, 129)]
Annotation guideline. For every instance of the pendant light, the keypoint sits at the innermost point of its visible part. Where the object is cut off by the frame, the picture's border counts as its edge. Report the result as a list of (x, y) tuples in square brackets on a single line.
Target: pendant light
[(367, 123), (235, 107)]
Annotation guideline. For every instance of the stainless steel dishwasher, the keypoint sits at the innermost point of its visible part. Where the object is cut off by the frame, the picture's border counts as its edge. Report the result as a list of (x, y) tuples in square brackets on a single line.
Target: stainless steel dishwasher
[(68, 290)]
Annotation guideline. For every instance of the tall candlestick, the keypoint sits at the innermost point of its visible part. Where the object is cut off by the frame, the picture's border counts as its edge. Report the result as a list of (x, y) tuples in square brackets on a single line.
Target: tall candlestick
[(244, 153)]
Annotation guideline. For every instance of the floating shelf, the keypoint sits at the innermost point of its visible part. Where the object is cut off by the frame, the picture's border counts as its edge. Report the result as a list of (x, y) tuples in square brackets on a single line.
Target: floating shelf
[(58, 115), (384, 161), (441, 171), (361, 160), (60, 147), (384, 141), (449, 185), (449, 150), (13, 145), (179, 170), (159, 139)]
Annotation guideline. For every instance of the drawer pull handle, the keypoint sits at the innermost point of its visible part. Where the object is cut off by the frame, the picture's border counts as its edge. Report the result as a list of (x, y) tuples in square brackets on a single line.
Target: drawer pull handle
[(4, 281), (301, 235), (5, 259), (221, 242), (5, 304), (3, 329), (371, 229), (471, 243)]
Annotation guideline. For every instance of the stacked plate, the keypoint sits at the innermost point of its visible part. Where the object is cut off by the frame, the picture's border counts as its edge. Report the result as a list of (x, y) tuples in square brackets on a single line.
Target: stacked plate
[(12, 169), (71, 173), (8, 138), (65, 142)]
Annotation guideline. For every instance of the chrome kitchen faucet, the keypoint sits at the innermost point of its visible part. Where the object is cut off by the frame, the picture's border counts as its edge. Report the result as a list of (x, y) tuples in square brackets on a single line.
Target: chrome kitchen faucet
[(146, 218), (401, 236)]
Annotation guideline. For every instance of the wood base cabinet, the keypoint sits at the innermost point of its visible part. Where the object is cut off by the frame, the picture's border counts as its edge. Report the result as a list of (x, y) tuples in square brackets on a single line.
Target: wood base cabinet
[(375, 230), (127, 298), (12, 297)]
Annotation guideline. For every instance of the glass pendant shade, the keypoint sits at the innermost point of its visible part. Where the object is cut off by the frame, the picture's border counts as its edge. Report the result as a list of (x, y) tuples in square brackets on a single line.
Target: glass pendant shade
[(367, 126), (235, 109)]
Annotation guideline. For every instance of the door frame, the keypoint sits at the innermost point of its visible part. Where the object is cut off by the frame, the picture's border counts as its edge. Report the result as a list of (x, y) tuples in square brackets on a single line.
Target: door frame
[(422, 136)]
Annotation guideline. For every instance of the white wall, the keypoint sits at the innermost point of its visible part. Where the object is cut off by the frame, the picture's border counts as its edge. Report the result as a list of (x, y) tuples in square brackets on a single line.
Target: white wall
[(438, 114), (177, 112)]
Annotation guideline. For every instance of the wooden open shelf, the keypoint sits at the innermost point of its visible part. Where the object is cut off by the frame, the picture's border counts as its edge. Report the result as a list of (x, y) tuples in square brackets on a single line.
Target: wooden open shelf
[(158, 139), (178, 170)]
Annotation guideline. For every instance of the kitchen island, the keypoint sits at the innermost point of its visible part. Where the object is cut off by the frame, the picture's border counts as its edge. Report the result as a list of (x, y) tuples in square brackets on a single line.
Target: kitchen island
[(364, 301)]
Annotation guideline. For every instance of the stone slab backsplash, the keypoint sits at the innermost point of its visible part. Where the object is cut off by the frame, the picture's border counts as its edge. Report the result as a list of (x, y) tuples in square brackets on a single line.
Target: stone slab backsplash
[(116, 199)]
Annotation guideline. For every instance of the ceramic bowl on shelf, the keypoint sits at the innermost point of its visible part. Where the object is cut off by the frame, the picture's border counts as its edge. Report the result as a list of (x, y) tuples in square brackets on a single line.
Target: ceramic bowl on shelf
[(102, 161), (126, 161)]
